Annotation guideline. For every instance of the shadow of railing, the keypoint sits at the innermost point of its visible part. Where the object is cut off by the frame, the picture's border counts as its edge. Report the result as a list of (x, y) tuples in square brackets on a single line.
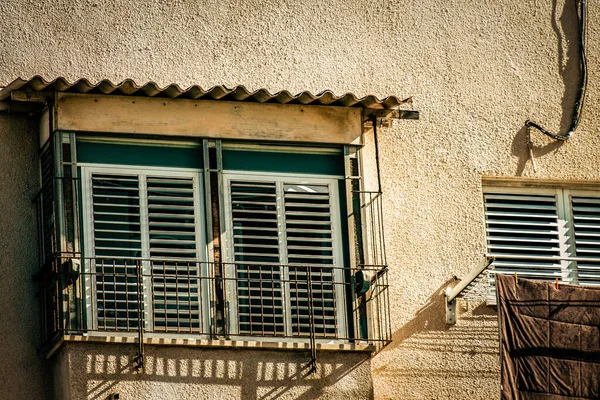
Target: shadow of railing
[(99, 371)]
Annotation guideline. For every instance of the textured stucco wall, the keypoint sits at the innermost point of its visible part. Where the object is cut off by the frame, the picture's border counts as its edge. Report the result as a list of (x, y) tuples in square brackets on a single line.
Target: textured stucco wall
[(21, 372), (476, 70), (100, 370)]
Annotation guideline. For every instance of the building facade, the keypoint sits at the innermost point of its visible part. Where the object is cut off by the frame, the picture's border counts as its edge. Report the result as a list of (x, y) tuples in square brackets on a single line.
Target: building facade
[(241, 228)]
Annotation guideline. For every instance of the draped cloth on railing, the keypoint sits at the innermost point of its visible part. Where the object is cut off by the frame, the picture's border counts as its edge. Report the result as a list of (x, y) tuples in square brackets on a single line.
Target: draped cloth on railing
[(549, 340)]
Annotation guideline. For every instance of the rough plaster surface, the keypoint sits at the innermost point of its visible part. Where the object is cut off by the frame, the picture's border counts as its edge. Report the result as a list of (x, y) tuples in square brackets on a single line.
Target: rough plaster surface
[(21, 372), (476, 71), (100, 370)]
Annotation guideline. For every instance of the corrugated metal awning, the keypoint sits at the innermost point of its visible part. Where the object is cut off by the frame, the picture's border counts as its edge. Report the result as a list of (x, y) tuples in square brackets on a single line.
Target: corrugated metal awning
[(238, 93)]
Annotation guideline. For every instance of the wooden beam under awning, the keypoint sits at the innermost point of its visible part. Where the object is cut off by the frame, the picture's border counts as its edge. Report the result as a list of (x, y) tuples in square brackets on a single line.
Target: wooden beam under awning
[(207, 119)]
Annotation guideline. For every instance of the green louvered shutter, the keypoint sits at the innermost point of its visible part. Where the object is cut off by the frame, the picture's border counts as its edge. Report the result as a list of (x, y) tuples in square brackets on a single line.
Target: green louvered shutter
[(256, 236), (173, 250), (310, 254)]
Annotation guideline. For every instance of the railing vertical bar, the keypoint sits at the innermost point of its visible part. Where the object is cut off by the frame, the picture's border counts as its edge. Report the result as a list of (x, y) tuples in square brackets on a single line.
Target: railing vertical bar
[(323, 314), (296, 298), (355, 307), (165, 295), (177, 306), (262, 303), (313, 348), (127, 312), (140, 289), (58, 297), (273, 308), (189, 299), (153, 297), (382, 232), (81, 303), (102, 274), (373, 231)]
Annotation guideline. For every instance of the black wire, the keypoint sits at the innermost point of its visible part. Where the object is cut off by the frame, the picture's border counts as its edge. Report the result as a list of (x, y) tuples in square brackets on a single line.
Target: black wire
[(583, 79)]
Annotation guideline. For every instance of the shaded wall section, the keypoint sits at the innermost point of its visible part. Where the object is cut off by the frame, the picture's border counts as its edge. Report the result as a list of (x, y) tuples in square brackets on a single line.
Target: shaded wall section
[(22, 373), (98, 371)]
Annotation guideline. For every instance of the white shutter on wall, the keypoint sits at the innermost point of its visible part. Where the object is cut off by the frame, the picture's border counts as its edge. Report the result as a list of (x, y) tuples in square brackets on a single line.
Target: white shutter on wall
[(254, 219), (521, 227), (173, 252), (281, 230), (586, 232), (544, 233)]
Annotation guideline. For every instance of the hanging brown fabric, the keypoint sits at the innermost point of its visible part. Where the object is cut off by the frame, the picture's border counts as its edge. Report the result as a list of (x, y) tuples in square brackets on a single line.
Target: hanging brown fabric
[(549, 340)]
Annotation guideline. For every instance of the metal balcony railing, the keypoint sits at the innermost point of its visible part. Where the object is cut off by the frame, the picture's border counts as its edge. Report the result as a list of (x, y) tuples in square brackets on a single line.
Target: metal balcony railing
[(312, 303)]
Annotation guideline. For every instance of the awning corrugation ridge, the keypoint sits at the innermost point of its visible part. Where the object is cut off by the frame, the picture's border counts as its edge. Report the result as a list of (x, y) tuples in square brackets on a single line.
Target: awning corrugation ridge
[(238, 93)]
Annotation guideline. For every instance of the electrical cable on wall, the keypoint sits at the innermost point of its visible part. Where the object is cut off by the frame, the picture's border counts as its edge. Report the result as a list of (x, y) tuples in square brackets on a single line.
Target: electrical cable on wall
[(576, 117)]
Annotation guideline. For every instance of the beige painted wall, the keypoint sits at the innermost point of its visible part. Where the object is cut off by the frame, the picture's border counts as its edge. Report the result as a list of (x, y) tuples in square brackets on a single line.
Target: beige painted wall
[(100, 370), (476, 70), (22, 373)]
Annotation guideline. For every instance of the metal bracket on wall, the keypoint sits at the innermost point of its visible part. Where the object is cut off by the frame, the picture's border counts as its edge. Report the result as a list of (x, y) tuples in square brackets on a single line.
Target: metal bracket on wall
[(458, 289), (384, 117), (390, 114), (25, 102)]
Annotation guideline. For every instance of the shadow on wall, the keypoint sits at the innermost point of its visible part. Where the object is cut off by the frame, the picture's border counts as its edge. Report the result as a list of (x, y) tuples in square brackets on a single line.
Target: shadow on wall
[(475, 335), (566, 28), (519, 148), (431, 317), (100, 370)]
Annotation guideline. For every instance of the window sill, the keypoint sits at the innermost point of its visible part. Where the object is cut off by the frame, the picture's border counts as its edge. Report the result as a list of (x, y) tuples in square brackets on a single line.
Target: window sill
[(213, 343)]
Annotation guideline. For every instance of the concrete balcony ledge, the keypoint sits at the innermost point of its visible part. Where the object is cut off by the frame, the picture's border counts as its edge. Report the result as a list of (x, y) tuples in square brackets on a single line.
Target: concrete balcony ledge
[(268, 344)]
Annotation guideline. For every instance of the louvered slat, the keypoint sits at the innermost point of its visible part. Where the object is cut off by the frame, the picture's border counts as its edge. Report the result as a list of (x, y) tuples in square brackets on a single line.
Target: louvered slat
[(586, 229), (308, 217), (256, 250)]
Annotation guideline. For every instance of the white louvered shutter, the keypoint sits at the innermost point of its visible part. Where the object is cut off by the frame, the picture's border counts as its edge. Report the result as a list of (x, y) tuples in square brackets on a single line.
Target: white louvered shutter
[(146, 226), (117, 245), (586, 232), (173, 252), (310, 255), (254, 219), (279, 231), (523, 232)]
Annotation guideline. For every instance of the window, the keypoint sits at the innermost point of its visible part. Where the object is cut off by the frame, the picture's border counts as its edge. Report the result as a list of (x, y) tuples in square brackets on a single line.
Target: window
[(543, 233), (283, 235)]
